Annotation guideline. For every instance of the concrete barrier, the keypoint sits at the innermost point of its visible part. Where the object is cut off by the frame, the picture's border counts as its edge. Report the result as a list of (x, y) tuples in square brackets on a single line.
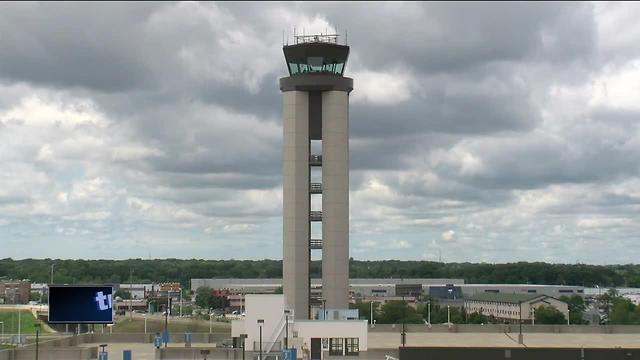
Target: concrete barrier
[(50, 353), (501, 328), (443, 353), (175, 353)]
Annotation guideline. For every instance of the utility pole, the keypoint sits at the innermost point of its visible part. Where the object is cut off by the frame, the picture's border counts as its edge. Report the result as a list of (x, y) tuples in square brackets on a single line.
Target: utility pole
[(404, 315), (130, 293), (371, 317), (37, 325), (19, 324), (52, 265), (260, 324), (520, 339)]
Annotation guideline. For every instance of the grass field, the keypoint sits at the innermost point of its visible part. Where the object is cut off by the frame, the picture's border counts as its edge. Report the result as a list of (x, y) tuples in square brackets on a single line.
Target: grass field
[(157, 325), (10, 319)]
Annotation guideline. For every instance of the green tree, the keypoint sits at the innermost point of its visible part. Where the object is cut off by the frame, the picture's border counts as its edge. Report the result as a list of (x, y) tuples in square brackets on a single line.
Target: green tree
[(123, 294), (576, 308), (624, 312), (549, 315), (477, 318), (364, 309), (203, 297), (394, 312)]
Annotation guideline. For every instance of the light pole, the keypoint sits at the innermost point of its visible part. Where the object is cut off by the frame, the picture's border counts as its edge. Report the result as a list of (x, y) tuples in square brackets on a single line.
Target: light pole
[(324, 309), (533, 316), (568, 316), (286, 327), (2, 338), (371, 316), (180, 302), (404, 314), (145, 324), (19, 324), (52, 265), (209, 321), (260, 324), (244, 339), (37, 326), (448, 315), (429, 313), (130, 293), (520, 339)]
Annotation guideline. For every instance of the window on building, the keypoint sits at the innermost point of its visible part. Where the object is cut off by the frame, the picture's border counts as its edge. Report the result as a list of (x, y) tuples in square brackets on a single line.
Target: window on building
[(566, 291), (351, 346), (335, 346)]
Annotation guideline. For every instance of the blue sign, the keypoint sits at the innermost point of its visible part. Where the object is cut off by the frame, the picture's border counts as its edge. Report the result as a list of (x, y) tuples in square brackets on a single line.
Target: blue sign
[(289, 354), (80, 304)]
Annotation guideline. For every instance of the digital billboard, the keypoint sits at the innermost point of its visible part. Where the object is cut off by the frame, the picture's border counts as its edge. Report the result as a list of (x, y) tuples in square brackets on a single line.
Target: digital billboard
[(81, 304)]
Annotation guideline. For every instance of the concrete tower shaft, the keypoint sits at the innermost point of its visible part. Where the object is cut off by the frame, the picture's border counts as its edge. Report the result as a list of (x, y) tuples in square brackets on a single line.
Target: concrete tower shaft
[(315, 107), (295, 183), (335, 199)]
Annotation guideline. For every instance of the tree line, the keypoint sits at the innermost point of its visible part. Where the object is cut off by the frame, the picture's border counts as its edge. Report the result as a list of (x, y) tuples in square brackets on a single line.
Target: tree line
[(396, 312), (180, 270)]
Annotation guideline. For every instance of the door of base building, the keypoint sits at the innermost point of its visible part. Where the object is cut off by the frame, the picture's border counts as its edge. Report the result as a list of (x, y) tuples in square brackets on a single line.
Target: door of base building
[(316, 348)]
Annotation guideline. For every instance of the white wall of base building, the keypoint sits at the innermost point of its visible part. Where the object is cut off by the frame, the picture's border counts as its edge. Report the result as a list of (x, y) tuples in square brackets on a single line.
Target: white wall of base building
[(271, 309)]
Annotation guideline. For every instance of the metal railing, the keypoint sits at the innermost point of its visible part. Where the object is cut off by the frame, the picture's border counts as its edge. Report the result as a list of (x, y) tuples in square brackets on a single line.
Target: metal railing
[(315, 160), (316, 188), (315, 244), (315, 215), (322, 38)]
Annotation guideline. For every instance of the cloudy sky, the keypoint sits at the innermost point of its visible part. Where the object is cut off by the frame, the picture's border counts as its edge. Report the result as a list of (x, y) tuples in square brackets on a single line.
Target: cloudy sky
[(484, 132)]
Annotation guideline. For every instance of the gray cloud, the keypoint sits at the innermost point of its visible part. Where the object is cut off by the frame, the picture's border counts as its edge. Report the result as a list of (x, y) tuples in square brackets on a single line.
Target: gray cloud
[(159, 123)]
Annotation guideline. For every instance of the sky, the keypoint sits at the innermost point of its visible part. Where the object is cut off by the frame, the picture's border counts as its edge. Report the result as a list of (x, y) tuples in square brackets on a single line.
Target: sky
[(479, 132)]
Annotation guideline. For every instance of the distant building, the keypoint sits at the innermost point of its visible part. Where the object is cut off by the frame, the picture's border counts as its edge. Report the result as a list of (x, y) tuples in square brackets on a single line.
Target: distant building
[(508, 307), (138, 291), (15, 291), (556, 291), (364, 289)]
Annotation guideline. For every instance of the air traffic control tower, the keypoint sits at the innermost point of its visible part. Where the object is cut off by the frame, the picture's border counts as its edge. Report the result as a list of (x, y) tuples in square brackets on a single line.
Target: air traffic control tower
[(316, 111)]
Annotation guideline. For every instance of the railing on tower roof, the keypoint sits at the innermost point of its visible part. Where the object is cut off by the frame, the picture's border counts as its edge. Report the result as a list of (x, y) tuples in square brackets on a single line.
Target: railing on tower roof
[(318, 38)]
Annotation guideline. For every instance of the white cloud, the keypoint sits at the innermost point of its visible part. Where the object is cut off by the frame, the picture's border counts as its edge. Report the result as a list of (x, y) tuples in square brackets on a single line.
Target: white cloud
[(381, 88), (448, 235)]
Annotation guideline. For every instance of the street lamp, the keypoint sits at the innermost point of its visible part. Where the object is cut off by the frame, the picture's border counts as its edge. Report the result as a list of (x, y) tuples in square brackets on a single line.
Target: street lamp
[(520, 339), (371, 317), (260, 324), (286, 327), (568, 316), (2, 338), (324, 309), (244, 338), (37, 326), (403, 337), (533, 316)]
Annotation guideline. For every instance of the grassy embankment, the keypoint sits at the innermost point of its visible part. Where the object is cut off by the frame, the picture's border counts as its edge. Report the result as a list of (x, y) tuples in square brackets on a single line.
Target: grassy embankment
[(10, 319), (157, 325)]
